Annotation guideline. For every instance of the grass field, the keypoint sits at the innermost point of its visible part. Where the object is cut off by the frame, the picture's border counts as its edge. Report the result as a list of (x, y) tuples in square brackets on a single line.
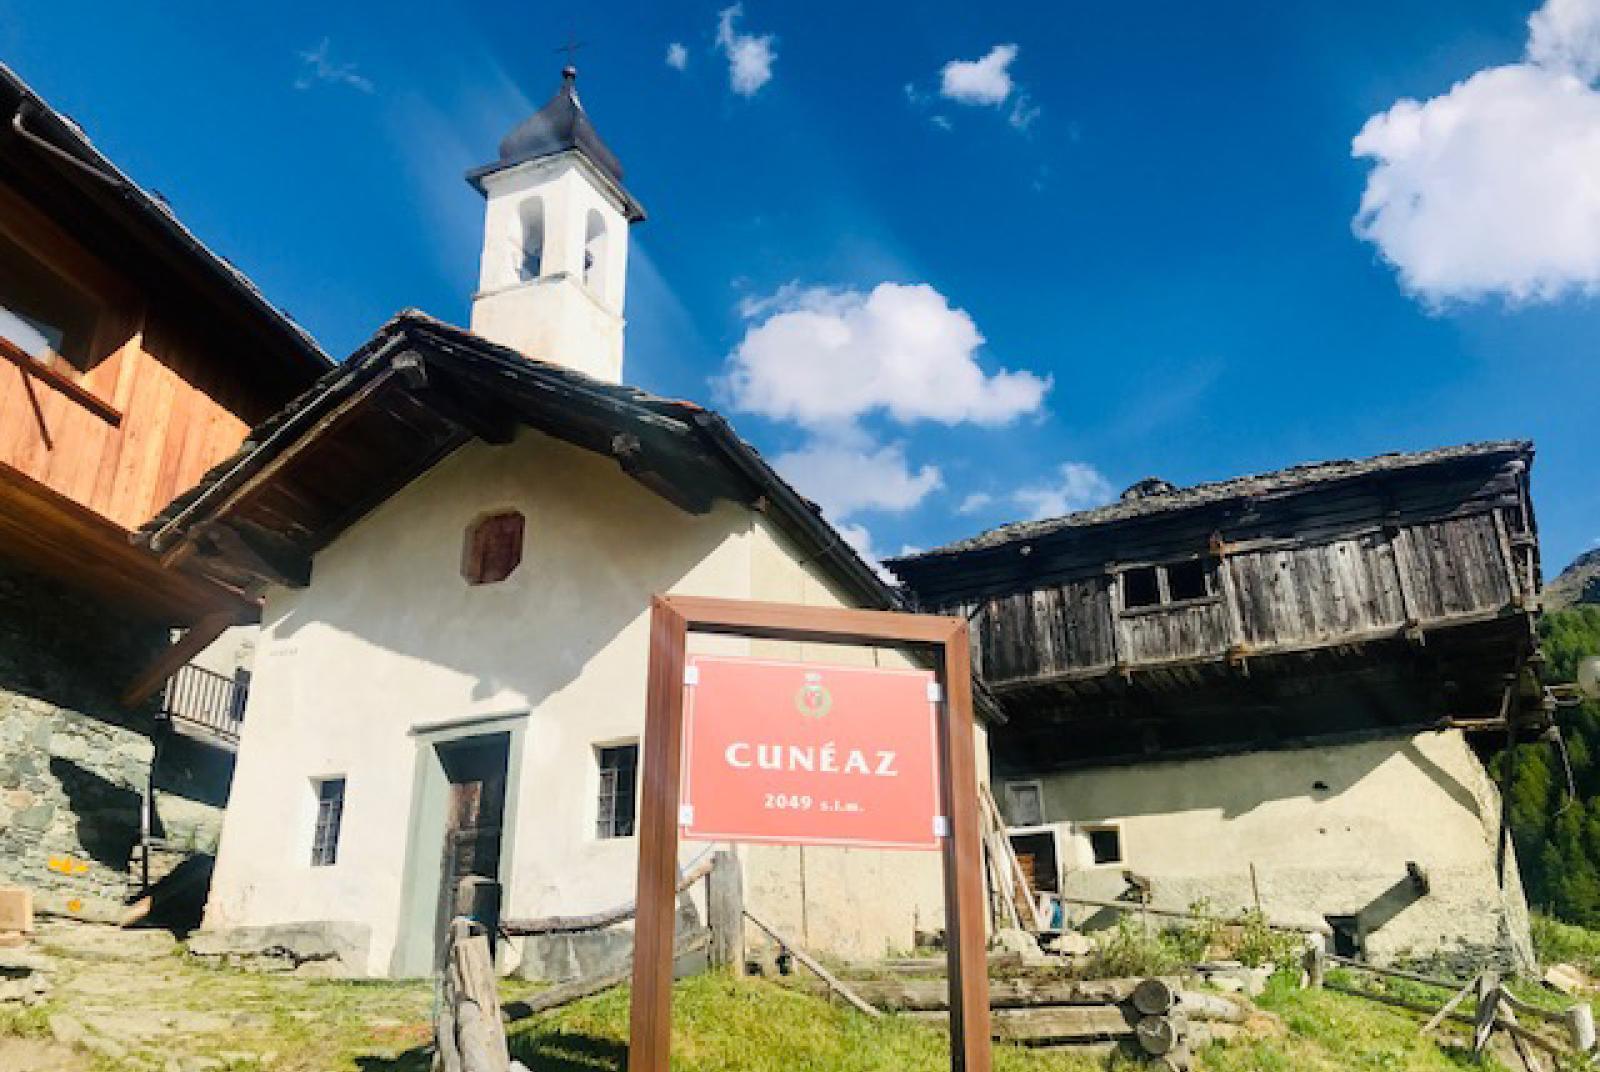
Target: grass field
[(165, 1012), (722, 1024)]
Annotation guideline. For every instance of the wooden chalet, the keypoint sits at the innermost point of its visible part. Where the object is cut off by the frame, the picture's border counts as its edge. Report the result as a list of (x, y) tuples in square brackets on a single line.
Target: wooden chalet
[(1322, 602), (132, 359)]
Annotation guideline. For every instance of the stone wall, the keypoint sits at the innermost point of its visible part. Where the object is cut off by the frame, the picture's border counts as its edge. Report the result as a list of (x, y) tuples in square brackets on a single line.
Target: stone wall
[(73, 763)]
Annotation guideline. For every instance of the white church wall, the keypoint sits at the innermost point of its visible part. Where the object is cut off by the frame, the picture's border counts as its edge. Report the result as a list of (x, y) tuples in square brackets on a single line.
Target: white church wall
[(388, 648)]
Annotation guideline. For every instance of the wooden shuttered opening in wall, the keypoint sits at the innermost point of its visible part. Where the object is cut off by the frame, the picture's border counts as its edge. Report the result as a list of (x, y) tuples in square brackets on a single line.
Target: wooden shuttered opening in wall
[(494, 548)]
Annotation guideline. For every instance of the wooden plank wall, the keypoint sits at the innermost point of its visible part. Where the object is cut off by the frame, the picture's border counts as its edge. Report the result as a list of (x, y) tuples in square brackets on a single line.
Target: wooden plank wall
[(1282, 595), (186, 393), (180, 416), (1317, 593)]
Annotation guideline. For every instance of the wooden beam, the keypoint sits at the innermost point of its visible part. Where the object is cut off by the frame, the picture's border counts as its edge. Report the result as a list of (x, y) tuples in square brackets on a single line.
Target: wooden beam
[(488, 420), (520, 928), (170, 661), (650, 1016), (834, 982), (290, 569), (832, 625)]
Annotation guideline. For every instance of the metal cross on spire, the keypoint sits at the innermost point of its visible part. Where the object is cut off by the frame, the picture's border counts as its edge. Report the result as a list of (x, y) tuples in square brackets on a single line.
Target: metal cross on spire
[(571, 49)]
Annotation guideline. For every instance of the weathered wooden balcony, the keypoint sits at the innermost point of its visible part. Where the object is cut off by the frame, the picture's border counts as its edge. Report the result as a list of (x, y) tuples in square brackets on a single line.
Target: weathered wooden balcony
[(203, 704), (1341, 598)]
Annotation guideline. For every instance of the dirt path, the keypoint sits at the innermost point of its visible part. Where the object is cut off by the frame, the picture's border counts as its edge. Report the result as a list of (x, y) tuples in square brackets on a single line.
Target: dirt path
[(133, 1000)]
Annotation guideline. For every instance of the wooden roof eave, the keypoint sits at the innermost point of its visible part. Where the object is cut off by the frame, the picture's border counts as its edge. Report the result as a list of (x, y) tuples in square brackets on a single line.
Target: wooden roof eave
[(221, 530)]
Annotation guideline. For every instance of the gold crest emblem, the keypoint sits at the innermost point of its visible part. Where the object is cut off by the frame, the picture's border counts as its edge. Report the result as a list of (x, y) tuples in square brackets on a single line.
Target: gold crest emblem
[(813, 700)]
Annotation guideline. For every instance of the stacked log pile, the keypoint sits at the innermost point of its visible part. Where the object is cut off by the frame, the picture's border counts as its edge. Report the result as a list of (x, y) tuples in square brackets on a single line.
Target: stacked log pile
[(1157, 1017)]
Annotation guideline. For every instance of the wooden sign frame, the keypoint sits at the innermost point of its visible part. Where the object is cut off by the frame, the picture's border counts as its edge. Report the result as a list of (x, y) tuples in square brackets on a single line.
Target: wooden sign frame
[(672, 619)]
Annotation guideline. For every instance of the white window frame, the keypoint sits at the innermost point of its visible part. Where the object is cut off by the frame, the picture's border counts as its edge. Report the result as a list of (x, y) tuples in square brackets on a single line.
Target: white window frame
[(1085, 829), (1024, 783), (1054, 830), (595, 748), (317, 782)]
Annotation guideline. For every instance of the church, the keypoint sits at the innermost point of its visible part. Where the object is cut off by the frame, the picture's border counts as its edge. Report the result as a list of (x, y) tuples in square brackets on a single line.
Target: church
[(457, 534)]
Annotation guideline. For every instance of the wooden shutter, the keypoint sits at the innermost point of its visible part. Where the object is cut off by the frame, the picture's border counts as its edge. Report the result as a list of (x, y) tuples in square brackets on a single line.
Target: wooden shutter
[(494, 548)]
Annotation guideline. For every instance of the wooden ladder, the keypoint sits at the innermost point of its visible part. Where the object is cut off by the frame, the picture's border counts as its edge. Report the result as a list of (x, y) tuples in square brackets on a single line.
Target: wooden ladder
[(1019, 907)]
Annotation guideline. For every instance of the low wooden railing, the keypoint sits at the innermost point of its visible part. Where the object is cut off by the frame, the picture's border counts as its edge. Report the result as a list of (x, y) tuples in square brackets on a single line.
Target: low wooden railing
[(197, 697)]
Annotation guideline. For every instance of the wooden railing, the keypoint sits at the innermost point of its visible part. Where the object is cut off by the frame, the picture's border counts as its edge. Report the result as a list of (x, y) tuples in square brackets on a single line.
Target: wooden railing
[(200, 698)]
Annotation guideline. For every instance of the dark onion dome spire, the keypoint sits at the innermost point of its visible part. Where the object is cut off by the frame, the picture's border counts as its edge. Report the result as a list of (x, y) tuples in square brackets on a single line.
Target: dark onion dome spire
[(560, 126)]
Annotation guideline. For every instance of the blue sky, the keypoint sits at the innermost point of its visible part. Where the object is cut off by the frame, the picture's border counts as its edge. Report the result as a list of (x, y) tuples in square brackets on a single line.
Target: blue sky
[(1147, 212)]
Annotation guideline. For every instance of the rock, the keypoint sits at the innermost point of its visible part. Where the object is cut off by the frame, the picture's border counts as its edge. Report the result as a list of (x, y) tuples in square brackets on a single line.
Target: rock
[(1566, 978), (251, 1019), (110, 1049), (1071, 944), (24, 962), (1026, 945), (65, 1030), (1234, 978), (29, 990), (36, 818), (201, 1064)]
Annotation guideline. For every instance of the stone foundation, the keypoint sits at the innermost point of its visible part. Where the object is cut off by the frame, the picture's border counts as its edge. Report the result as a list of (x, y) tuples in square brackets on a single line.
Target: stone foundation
[(74, 764)]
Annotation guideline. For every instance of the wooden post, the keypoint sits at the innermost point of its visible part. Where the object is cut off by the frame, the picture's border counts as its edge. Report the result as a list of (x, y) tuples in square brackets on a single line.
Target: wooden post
[(963, 866), (1488, 1005), (1580, 1026), (650, 1016), (470, 1036), (1316, 961), (725, 911)]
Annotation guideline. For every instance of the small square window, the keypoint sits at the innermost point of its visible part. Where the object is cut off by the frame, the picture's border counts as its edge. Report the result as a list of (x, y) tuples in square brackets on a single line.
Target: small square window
[(1140, 588), (330, 816), (1024, 804), (1105, 844), (1187, 580), (619, 777)]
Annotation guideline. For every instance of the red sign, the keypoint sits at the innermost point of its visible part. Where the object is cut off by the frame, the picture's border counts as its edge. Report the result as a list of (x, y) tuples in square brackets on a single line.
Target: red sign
[(802, 754)]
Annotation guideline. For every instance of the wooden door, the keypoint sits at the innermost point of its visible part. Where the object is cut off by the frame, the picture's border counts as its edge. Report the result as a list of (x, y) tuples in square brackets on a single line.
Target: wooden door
[(474, 817)]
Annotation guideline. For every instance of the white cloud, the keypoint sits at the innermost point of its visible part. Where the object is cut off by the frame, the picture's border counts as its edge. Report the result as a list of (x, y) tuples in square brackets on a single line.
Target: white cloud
[(1491, 188), (978, 500), (1023, 112), (1078, 486), (859, 537), (750, 57), (1565, 35), (851, 474), (825, 358), (982, 81), (317, 65), (677, 56)]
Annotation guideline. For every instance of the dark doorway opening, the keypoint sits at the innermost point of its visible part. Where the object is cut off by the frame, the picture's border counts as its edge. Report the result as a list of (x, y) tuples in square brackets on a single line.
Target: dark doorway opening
[(1037, 855), (475, 768), (1346, 936)]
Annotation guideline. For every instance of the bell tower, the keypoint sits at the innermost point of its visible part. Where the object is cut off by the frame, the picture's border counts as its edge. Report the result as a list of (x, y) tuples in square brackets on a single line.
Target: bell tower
[(555, 241)]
